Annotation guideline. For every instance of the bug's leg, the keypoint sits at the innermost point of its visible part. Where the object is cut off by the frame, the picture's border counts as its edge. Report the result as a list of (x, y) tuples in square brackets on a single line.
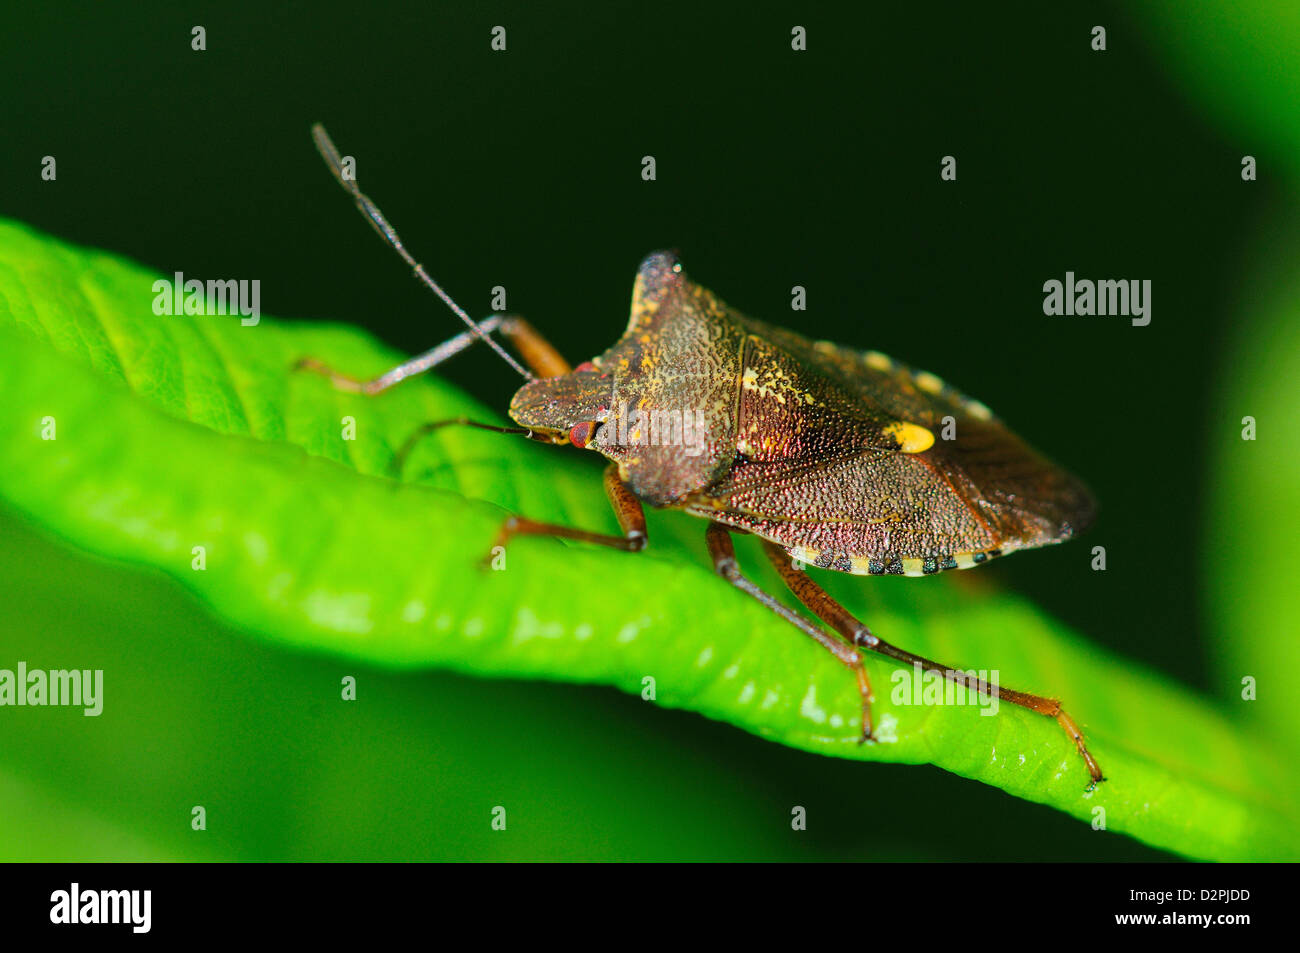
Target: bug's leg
[(820, 602), (718, 537), (536, 351), (627, 510), (398, 463), (416, 365)]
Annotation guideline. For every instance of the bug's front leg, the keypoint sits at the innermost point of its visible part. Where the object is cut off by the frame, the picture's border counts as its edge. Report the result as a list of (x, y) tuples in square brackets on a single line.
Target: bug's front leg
[(627, 510), (723, 554), (820, 602), (538, 353)]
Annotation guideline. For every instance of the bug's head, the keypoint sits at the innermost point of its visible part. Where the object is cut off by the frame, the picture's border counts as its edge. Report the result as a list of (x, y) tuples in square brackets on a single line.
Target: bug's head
[(566, 409)]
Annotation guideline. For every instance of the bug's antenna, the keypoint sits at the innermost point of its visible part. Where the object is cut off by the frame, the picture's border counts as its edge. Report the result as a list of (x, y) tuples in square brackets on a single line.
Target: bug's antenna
[(371, 211)]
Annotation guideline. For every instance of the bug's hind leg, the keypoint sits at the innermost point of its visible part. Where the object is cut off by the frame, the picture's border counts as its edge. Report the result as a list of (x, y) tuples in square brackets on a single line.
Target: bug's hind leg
[(820, 602), (723, 554), (538, 353), (627, 510)]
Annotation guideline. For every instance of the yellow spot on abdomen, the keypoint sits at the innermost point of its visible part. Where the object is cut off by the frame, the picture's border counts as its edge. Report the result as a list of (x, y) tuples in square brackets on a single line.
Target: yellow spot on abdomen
[(928, 382), (912, 438)]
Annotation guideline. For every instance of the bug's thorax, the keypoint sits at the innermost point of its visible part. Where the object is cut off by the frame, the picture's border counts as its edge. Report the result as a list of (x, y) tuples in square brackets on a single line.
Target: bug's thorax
[(660, 401)]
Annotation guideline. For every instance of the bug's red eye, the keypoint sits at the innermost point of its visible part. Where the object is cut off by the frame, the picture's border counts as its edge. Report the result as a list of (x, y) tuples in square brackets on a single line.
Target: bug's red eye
[(580, 434)]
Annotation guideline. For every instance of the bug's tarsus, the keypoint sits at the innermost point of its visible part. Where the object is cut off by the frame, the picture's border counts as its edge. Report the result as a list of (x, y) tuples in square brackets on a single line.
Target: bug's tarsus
[(537, 352), (826, 608), (330, 153), (1071, 729), (409, 368), (343, 382)]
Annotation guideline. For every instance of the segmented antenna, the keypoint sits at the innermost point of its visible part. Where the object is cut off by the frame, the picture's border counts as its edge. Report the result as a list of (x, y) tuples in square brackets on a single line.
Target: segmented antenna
[(371, 211)]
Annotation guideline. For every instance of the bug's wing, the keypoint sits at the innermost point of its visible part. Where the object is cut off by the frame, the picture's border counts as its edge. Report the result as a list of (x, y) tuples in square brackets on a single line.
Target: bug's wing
[(888, 512), (841, 457), (880, 386)]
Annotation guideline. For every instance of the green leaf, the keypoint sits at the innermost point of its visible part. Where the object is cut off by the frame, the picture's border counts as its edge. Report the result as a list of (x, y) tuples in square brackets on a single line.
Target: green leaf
[(174, 432), (1251, 558)]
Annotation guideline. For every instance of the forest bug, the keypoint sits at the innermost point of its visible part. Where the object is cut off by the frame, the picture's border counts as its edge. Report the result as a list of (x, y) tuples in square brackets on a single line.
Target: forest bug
[(827, 454)]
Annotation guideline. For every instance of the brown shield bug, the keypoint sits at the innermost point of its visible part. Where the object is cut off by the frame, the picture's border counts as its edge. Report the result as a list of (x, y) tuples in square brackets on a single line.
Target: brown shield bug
[(825, 453)]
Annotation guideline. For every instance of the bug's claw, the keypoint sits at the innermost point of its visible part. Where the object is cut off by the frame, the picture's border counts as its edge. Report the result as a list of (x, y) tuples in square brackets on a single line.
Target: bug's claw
[(311, 365)]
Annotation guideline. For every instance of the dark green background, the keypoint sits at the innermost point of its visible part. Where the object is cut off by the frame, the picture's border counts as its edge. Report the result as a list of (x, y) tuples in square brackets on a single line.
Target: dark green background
[(775, 168)]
